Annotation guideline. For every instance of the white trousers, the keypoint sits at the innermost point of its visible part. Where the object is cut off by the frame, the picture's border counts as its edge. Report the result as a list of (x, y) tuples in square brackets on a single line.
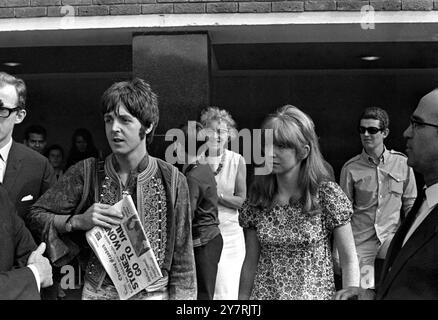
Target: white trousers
[(231, 261)]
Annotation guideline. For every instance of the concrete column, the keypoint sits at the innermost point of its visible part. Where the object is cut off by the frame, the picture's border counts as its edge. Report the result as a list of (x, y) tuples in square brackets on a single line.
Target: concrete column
[(177, 66)]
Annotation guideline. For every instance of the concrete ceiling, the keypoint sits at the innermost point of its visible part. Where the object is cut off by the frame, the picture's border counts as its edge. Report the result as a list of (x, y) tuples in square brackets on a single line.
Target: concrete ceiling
[(334, 41), (232, 58), (224, 29)]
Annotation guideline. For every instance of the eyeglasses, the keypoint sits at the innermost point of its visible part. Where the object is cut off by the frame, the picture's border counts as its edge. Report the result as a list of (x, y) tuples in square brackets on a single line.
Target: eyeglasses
[(371, 130), (416, 123), (6, 112), (219, 132)]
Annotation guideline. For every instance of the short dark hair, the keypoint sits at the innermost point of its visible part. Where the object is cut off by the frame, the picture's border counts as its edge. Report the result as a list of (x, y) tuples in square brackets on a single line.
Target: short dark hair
[(138, 98), (35, 129), (19, 85), (54, 147), (376, 113)]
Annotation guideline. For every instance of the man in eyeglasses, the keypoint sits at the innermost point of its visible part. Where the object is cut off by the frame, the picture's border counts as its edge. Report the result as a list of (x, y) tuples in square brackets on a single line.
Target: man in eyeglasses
[(411, 265), (24, 173), (382, 188)]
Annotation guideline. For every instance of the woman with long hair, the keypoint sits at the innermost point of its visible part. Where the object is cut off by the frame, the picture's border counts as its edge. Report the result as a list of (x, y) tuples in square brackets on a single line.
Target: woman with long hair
[(229, 170), (82, 147), (290, 217)]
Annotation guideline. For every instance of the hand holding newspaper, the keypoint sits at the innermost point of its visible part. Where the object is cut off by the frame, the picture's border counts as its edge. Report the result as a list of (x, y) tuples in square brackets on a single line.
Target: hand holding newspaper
[(125, 252)]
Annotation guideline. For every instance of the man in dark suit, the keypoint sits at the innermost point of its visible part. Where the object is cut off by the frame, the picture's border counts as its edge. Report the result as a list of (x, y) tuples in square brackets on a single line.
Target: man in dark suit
[(410, 270), (25, 174), (22, 272)]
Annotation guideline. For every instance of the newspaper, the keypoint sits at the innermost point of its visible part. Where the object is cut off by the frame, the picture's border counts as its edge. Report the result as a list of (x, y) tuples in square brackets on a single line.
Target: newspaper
[(125, 252)]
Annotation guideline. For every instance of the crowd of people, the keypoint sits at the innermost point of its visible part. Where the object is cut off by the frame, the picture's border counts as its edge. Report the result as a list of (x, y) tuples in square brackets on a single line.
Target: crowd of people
[(291, 234)]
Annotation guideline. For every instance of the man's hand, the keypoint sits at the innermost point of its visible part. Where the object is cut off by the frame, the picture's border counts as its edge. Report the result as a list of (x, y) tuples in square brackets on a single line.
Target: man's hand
[(42, 264), (350, 293), (99, 214), (355, 293)]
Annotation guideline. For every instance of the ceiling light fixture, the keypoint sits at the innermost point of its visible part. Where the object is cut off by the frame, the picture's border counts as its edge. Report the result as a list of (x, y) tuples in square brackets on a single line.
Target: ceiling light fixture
[(370, 58), (12, 64)]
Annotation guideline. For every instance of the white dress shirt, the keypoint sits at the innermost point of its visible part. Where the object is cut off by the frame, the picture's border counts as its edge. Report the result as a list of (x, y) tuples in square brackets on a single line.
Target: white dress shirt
[(427, 206), (4, 153), (36, 275)]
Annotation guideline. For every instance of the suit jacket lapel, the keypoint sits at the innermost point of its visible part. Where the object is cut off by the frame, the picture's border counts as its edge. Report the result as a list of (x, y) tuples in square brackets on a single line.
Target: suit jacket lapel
[(12, 167), (425, 231)]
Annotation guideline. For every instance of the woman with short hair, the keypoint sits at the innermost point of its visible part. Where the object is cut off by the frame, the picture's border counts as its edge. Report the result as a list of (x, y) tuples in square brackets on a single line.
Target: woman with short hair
[(229, 170)]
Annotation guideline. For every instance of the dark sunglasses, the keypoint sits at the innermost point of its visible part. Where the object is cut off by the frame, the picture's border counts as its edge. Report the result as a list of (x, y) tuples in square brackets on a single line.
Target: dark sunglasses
[(371, 130)]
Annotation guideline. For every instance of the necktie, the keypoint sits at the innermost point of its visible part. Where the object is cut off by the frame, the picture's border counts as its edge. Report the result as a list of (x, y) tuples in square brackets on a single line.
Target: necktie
[(2, 168), (405, 226)]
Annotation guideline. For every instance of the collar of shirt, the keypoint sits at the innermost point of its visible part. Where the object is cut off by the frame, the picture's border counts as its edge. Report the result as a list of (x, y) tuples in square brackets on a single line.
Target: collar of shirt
[(432, 195), (368, 159), (4, 152)]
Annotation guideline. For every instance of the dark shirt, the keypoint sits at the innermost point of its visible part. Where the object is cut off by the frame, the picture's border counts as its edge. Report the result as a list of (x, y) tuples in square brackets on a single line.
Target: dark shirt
[(131, 183), (203, 201)]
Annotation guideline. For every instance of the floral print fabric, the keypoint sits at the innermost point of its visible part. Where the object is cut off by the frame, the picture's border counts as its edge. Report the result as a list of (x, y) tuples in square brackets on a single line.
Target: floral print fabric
[(295, 252)]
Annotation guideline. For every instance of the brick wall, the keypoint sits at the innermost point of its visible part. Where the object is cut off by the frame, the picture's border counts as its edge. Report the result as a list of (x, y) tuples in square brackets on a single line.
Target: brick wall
[(57, 8)]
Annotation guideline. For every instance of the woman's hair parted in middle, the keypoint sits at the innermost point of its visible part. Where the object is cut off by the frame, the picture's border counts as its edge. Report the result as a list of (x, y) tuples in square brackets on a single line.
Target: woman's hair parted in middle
[(292, 128)]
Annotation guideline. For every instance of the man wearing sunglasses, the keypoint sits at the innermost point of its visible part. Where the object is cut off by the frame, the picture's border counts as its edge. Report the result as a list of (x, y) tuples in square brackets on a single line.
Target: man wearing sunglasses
[(24, 173), (382, 188)]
